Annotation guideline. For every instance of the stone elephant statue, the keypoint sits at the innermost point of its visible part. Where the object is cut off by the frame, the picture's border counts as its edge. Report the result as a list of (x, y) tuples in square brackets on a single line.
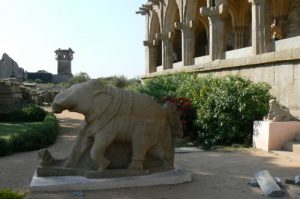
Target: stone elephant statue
[(123, 129)]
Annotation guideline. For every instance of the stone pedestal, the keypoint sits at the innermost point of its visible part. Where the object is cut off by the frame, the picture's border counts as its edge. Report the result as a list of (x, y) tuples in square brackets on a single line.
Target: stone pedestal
[(269, 135), (78, 183)]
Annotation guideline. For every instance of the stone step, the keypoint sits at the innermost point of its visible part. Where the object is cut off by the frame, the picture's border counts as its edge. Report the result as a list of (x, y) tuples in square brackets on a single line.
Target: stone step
[(292, 146)]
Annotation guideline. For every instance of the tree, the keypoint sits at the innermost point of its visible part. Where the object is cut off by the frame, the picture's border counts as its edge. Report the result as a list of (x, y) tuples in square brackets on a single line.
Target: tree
[(79, 78)]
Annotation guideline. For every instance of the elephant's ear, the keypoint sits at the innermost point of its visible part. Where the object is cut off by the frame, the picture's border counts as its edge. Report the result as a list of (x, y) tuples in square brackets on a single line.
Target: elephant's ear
[(100, 102)]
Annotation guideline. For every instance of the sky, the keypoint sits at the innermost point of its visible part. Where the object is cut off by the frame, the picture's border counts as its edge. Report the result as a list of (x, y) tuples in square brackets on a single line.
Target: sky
[(106, 35)]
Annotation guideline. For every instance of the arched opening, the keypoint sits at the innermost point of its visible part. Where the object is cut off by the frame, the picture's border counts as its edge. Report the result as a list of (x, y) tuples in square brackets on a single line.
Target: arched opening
[(238, 21), (229, 35), (201, 31), (201, 39), (155, 48), (157, 51), (177, 41)]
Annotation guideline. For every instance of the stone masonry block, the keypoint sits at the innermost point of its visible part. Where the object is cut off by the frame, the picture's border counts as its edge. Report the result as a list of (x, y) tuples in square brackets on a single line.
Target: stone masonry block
[(267, 57), (252, 60), (296, 53), (297, 71), (267, 184), (283, 55)]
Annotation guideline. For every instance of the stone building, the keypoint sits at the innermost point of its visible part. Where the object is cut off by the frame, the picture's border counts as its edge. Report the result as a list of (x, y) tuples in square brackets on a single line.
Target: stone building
[(10, 96), (10, 69), (227, 37), (64, 67)]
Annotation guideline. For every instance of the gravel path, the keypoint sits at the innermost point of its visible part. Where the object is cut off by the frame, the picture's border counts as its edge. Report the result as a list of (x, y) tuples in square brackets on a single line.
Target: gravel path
[(215, 175)]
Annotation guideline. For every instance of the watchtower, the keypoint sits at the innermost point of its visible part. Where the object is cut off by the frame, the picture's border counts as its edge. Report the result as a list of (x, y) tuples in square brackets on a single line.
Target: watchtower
[(64, 59)]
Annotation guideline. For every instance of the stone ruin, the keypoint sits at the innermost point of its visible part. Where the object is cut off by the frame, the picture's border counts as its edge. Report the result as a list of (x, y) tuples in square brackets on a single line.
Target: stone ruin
[(279, 113), (10, 96), (10, 69)]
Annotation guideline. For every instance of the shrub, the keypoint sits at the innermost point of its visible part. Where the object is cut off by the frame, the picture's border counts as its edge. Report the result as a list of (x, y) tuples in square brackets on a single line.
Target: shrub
[(38, 137), (187, 114), (162, 86), (225, 107), (119, 81), (30, 113), (6, 147), (9, 194), (78, 78), (34, 137)]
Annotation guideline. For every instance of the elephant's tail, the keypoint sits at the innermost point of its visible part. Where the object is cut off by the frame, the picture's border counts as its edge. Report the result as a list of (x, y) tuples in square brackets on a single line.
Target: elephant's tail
[(174, 119)]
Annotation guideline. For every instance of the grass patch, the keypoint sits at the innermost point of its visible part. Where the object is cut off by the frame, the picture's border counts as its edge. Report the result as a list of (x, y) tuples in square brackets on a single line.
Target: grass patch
[(19, 137), (9, 194), (7, 130)]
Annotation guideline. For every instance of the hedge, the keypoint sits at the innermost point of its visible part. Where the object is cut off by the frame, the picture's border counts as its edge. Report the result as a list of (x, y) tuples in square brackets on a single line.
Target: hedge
[(37, 137), (225, 106)]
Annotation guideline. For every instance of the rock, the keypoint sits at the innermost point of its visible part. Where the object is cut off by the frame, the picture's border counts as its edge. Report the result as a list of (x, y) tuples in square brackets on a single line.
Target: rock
[(267, 184), (278, 113)]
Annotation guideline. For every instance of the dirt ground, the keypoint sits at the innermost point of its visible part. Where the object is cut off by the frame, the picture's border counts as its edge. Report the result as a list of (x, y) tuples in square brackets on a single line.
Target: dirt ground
[(215, 174)]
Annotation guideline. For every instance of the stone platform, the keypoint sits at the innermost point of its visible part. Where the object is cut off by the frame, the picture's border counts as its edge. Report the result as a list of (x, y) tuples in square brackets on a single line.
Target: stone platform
[(78, 183)]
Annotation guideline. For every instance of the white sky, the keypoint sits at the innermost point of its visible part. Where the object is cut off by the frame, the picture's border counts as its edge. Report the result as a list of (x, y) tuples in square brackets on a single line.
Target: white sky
[(105, 35)]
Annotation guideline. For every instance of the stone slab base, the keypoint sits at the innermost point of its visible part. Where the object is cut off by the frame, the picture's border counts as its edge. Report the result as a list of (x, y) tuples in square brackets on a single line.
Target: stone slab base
[(78, 183), (269, 135)]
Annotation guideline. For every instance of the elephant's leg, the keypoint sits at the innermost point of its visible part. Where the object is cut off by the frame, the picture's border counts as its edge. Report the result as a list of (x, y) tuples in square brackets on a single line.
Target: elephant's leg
[(140, 146), (166, 156), (102, 141), (81, 145)]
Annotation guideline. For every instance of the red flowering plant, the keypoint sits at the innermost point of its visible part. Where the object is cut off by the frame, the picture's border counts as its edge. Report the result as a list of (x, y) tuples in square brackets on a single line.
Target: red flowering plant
[(187, 114)]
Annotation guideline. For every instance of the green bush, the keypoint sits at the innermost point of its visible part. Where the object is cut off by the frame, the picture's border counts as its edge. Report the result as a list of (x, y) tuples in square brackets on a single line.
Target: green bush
[(30, 113), (35, 137), (162, 86), (6, 147), (225, 107), (187, 114), (119, 81), (78, 78), (38, 137), (9, 194)]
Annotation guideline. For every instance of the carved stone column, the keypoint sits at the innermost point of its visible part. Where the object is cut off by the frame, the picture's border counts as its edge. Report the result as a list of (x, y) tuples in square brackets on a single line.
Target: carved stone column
[(167, 49), (216, 30), (150, 59), (188, 41), (293, 28), (261, 27)]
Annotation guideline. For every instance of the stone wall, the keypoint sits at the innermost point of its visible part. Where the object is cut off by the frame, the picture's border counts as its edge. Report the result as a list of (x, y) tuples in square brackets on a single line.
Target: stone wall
[(10, 96), (10, 69), (56, 79), (280, 69)]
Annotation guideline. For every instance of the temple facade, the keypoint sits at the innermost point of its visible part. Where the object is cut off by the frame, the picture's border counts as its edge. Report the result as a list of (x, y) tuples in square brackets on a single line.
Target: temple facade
[(227, 37)]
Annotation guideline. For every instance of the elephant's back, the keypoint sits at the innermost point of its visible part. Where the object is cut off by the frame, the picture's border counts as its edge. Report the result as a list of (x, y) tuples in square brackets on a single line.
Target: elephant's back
[(144, 105)]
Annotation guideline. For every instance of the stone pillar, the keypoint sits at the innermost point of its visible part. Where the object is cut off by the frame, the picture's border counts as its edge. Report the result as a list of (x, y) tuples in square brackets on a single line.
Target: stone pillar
[(216, 30), (167, 49), (261, 27), (293, 28), (188, 41), (150, 62)]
